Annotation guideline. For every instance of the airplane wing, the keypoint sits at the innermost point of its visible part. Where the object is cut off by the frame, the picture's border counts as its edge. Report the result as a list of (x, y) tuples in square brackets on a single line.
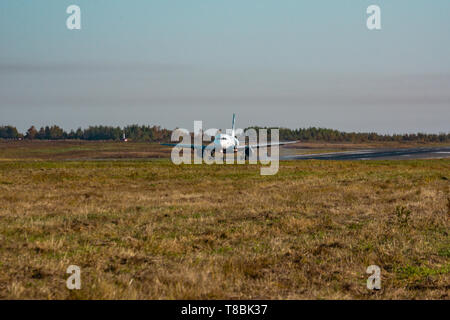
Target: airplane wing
[(211, 146), (190, 146), (264, 145)]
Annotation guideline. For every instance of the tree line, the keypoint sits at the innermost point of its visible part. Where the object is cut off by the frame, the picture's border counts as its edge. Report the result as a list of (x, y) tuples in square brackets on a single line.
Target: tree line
[(313, 134), (158, 134), (132, 132)]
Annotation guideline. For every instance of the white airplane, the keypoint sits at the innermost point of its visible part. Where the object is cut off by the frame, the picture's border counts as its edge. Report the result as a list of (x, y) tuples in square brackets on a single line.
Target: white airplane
[(226, 143)]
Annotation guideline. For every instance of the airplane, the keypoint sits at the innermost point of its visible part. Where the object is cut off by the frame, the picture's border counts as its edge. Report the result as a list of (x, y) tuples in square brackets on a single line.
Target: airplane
[(226, 143)]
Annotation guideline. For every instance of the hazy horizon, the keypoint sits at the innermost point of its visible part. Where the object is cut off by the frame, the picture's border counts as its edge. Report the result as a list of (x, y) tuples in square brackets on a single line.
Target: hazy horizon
[(289, 64)]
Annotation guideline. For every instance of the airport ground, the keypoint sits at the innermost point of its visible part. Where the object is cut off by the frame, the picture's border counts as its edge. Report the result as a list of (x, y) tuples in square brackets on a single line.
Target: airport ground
[(147, 229), (72, 150)]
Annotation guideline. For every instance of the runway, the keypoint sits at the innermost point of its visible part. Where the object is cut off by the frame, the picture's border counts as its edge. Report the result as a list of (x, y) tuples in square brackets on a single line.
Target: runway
[(378, 154)]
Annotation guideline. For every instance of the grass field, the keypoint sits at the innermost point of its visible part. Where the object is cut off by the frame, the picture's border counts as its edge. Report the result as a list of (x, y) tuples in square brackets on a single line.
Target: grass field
[(148, 229), (95, 150)]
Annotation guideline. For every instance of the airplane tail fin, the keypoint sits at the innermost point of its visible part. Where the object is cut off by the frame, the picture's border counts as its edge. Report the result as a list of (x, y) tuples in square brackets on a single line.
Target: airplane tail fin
[(232, 126)]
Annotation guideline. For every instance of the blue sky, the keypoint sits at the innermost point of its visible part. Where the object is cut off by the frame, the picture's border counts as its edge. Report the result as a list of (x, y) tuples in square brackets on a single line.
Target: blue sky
[(289, 63)]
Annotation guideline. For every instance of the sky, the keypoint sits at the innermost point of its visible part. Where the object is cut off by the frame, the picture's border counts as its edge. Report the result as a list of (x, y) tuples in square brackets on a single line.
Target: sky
[(283, 63)]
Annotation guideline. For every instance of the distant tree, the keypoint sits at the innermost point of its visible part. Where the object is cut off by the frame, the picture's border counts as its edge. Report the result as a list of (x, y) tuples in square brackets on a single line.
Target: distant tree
[(41, 134), (9, 132), (31, 133), (79, 134), (56, 133)]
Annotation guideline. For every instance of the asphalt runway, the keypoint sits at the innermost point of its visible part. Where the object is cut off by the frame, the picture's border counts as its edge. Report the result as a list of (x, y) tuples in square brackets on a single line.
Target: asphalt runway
[(378, 154)]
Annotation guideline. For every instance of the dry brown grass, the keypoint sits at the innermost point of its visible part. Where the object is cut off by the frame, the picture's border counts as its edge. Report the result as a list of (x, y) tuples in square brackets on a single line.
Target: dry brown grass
[(96, 150), (153, 230), (79, 150)]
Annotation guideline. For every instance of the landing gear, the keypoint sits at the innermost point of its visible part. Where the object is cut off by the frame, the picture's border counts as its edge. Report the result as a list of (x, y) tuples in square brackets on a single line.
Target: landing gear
[(248, 153), (207, 153), (237, 154)]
